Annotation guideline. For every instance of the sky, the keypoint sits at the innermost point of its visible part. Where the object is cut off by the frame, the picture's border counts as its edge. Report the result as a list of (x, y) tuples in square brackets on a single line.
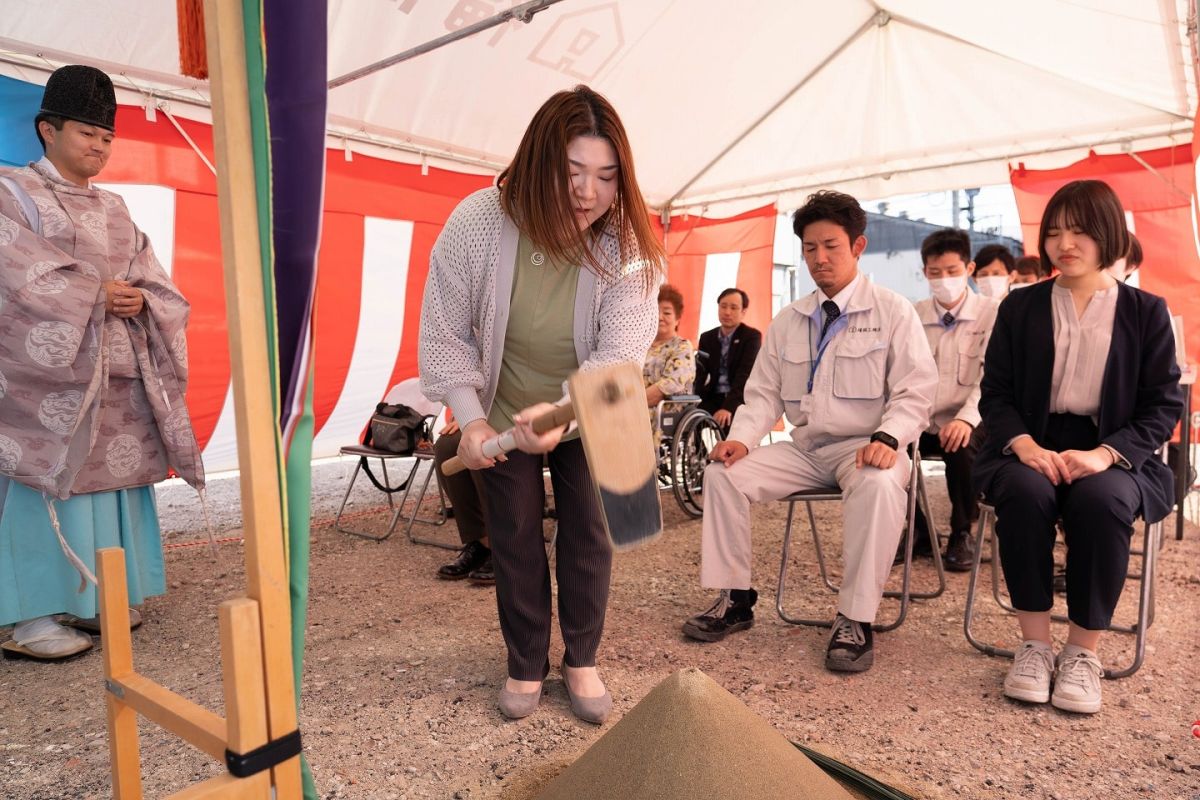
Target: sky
[(995, 208)]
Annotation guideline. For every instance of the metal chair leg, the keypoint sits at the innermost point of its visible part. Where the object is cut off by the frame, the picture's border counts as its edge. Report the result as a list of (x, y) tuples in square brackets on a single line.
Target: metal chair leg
[(904, 594), (934, 541), (1146, 595), (812, 526), (1145, 603), (985, 515), (337, 520), (416, 507)]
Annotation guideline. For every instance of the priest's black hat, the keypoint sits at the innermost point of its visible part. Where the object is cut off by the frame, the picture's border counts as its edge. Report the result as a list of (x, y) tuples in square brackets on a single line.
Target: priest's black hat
[(84, 94)]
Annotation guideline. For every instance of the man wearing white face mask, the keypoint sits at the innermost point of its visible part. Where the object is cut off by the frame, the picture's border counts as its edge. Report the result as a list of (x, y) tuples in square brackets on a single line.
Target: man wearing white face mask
[(957, 323), (994, 266)]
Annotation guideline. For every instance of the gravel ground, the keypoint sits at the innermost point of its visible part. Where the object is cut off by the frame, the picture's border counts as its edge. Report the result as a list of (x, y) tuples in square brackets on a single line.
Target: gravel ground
[(402, 670)]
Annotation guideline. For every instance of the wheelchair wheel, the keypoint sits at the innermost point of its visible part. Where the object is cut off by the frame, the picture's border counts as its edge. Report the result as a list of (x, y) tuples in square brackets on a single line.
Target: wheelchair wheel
[(695, 435)]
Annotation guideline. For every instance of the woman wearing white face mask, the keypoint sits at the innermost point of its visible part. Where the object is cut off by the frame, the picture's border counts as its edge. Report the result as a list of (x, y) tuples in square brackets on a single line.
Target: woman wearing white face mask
[(994, 265), (957, 323)]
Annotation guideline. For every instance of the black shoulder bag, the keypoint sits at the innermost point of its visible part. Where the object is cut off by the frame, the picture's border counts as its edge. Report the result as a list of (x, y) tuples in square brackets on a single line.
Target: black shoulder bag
[(397, 430)]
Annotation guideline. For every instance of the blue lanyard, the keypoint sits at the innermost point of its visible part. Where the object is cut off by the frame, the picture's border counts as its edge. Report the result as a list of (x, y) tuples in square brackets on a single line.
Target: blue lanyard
[(833, 329)]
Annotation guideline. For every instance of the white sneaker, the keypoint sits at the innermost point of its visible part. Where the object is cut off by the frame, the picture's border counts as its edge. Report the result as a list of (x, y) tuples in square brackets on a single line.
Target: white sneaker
[(1077, 687), (1029, 676)]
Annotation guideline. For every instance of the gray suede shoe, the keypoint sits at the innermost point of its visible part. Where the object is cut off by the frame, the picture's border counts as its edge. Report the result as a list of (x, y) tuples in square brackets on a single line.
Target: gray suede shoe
[(589, 709), (516, 705)]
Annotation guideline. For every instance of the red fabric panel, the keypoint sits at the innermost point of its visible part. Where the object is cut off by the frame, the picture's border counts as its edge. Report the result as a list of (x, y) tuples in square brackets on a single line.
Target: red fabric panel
[(373, 187), (752, 234), (754, 277), (197, 272), (335, 317), (686, 273), (154, 152), (1162, 219)]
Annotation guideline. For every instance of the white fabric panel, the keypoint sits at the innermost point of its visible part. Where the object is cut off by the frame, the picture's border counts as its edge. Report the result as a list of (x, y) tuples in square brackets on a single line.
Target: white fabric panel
[(387, 247), (153, 211), (720, 273), (220, 454)]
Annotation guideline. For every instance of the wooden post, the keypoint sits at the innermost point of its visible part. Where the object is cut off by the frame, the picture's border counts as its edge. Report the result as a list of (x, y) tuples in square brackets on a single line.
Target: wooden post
[(117, 648), (227, 787), (242, 674), (258, 457)]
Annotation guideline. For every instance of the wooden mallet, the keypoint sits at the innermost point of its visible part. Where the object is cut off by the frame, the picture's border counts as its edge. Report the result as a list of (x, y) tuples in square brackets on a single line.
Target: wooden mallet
[(609, 405)]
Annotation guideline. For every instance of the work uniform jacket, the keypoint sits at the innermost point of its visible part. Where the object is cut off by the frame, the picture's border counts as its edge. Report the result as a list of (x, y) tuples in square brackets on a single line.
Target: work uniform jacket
[(958, 351), (875, 374), (89, 401)]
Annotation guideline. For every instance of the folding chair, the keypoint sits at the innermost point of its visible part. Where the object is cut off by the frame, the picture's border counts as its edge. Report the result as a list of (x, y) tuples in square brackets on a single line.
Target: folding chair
[(916, 493), (1151, 544), (407, 392)]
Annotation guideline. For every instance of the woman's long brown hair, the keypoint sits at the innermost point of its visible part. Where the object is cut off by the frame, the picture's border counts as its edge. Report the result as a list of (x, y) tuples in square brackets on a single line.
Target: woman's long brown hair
[(535, 189)]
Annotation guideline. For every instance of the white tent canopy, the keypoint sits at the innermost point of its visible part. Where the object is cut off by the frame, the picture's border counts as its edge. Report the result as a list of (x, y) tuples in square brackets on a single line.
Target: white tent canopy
[(728, 104)]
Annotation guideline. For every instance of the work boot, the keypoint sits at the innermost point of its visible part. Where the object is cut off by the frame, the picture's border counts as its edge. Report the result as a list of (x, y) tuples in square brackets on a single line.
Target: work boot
[(484, 574), (733, 611), (851, 646), (960, 552), (471, 557)]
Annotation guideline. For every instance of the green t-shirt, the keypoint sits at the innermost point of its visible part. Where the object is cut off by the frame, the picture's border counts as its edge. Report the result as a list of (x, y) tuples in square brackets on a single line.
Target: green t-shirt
[(539, 342)]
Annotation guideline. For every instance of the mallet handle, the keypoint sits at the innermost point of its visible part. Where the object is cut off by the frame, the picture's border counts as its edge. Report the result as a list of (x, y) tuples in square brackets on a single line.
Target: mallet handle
[(505, 442)]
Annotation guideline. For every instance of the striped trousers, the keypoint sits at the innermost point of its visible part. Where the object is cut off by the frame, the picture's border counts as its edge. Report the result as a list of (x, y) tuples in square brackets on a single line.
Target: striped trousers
[(583, 559)]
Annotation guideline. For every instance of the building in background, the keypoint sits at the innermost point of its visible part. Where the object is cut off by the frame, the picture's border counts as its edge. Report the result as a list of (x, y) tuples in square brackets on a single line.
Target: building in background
[(892, 258)]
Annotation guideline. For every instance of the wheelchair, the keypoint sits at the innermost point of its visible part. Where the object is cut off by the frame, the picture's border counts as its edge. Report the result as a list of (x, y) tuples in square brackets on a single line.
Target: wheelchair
[(688, 434)]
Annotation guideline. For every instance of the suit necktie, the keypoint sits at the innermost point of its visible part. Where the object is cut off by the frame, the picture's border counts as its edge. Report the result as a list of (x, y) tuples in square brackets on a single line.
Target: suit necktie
[(832, 312), (947, 319)]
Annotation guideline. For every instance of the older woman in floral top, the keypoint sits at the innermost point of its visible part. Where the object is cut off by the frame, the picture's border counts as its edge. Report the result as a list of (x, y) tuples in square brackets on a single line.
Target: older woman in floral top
[(670, 364)]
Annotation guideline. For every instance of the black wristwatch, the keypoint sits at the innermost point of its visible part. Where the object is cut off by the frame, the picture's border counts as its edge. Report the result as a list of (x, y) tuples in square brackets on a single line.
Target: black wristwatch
[(885, 438)]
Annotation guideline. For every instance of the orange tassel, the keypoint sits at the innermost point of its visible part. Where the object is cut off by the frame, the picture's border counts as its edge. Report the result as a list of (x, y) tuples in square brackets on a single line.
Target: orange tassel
[(193, 56)]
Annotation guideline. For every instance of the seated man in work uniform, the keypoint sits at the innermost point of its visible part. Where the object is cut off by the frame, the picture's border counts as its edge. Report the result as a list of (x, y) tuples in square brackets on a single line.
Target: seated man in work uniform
[(851, 370)]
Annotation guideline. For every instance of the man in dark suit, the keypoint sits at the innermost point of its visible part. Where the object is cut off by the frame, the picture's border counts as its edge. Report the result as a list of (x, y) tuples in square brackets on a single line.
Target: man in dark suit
[(727, 356)]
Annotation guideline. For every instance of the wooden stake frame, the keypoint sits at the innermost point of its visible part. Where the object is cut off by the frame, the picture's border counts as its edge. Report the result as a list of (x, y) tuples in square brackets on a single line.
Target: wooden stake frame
[(256, 647)]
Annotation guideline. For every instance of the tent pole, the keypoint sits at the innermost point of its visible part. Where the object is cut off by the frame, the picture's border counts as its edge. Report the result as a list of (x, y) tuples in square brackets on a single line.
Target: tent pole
[(866, 26), (1150, 168), (524, 12)]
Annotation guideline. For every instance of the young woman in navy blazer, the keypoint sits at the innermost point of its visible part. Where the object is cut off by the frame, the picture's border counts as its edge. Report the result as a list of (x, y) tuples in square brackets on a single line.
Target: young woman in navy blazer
[(1080, 389)]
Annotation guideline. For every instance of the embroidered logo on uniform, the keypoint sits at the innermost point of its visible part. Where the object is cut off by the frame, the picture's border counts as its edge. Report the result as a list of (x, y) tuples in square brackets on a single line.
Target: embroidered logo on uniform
[(862, 329)]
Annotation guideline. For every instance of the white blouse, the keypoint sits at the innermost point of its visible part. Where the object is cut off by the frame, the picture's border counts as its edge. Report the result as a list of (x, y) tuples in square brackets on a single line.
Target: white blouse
[(1081, 345)]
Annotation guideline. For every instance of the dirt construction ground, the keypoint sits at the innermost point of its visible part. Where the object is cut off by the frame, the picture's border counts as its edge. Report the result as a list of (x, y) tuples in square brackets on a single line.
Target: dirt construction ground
[(402, 671)]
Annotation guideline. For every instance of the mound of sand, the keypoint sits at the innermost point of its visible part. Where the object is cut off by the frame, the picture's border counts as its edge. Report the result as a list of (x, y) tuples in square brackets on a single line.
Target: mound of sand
[(690, 738)]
